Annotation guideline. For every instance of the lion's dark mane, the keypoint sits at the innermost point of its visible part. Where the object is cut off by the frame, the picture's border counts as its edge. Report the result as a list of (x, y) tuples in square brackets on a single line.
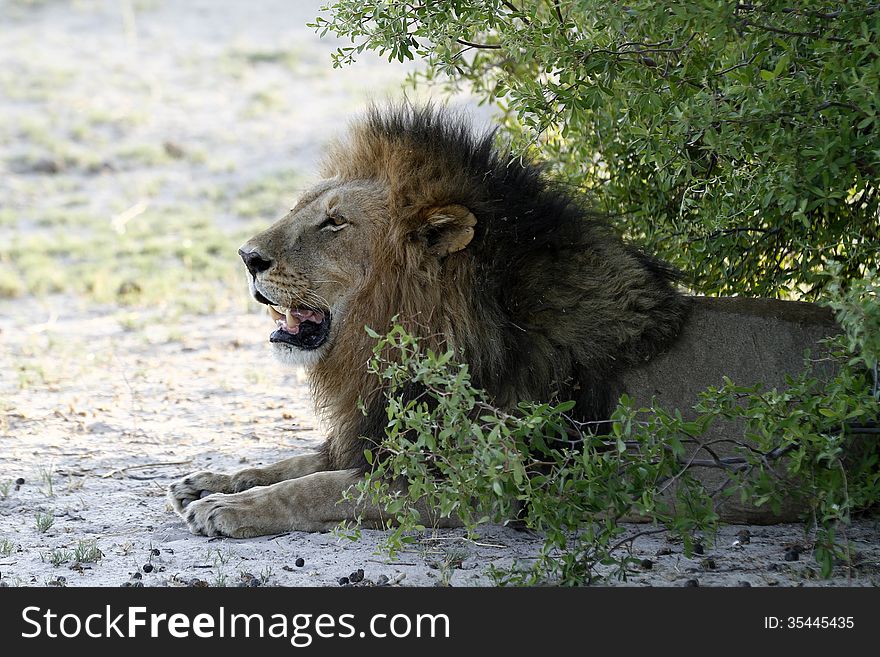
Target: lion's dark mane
[(547, 302)]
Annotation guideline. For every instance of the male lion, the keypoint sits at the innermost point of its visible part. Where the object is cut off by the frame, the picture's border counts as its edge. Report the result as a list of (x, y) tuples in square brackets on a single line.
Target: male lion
[(417, 217)]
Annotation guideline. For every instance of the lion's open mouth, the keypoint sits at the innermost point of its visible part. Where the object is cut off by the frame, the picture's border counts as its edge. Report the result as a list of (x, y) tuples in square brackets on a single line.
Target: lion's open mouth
[(303, 328)]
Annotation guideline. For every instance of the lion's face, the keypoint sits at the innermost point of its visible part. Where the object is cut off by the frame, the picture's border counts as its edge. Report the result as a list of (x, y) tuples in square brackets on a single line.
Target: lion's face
[(308, 266)]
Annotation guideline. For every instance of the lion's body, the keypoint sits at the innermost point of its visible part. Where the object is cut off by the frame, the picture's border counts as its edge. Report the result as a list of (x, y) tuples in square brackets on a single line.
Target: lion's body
[(467, 250)]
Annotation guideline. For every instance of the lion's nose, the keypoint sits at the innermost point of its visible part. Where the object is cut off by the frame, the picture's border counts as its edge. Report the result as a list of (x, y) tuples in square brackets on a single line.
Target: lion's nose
[(255, 261)]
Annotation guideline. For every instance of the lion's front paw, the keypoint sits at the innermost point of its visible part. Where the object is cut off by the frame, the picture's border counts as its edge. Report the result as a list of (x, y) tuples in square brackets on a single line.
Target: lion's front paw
[(221, 515), (183, 492)]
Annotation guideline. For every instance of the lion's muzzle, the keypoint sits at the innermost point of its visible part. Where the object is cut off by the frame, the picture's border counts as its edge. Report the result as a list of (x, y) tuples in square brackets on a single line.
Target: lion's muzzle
[(303, 328)]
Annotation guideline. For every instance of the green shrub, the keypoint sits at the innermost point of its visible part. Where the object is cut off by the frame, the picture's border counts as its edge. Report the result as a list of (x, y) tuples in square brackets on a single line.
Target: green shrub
[(740, 141), (575, 484)]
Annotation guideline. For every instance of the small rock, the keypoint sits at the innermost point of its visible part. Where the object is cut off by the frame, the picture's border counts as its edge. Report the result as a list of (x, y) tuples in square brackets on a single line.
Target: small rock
[(136, 576), (300, 562), (709, 563), (19, 481), (249, 581), (343, 581), (662, 552), (356, 576), (173, 150), (47, 166), (138, 584), (154, 552), (744, 536), (698, 547), (743, 582), (147, 567), (647, 564), (198, 583), (287, 568), (100, 427), (382, 580), (692, 582), (792, 554)]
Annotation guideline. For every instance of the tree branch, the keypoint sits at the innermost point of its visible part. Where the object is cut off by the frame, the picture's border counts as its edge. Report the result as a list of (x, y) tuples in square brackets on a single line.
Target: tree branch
[(558, 12), (828, 16), (815, 34), (516, 11), (481, 46), (735, 66)]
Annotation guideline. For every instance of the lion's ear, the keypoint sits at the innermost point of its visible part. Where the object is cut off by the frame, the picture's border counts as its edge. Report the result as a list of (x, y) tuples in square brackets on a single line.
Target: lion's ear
[(448, 229)]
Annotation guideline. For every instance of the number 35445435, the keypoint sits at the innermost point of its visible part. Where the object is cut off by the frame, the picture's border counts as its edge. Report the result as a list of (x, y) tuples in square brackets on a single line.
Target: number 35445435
[(808, 622)]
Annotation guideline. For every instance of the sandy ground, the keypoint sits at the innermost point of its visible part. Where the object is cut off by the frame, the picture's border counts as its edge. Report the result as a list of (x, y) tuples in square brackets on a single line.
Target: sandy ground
[(118, 413), (101, 406)]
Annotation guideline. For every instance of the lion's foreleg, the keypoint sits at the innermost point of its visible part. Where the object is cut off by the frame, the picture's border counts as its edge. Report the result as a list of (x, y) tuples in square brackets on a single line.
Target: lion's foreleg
[(311, 503), (194, 486), (292, 468)]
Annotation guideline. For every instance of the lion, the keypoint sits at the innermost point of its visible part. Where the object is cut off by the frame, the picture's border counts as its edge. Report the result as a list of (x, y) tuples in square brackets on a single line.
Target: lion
[(420, 220)]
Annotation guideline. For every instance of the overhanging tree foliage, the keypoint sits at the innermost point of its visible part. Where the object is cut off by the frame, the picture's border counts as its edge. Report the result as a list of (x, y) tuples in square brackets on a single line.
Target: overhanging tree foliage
[(740, 141)]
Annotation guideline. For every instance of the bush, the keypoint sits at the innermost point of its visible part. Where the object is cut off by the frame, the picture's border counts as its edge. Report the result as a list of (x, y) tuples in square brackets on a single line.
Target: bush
[(576, 483), (740, 141)]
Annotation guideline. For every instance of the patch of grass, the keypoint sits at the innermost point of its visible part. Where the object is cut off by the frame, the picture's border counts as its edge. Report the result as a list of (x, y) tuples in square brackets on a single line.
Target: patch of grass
[(30, 3), (125, 548), (5, 487), (116, 121), (36, 83), (267, 198), (87, 551), (238, 59), (31, 374), (7, 547), (174, 257), (60, 156), (46, 478), (59, 556), (449, 560), (68, 217), (44, 521), (5, 409), (150, 155), (74, 483), (264, 101), (11, 285), (220, 559)]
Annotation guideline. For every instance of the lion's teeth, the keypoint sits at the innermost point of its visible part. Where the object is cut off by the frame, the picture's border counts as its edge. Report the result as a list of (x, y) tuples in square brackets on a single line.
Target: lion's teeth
[(290, 320)]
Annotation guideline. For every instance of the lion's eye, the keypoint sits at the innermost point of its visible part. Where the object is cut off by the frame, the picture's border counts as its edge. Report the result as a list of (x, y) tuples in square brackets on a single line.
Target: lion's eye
[(334, 222)]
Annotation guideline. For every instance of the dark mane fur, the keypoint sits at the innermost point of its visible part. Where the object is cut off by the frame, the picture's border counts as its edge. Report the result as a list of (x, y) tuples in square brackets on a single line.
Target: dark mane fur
[(546, 301)]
